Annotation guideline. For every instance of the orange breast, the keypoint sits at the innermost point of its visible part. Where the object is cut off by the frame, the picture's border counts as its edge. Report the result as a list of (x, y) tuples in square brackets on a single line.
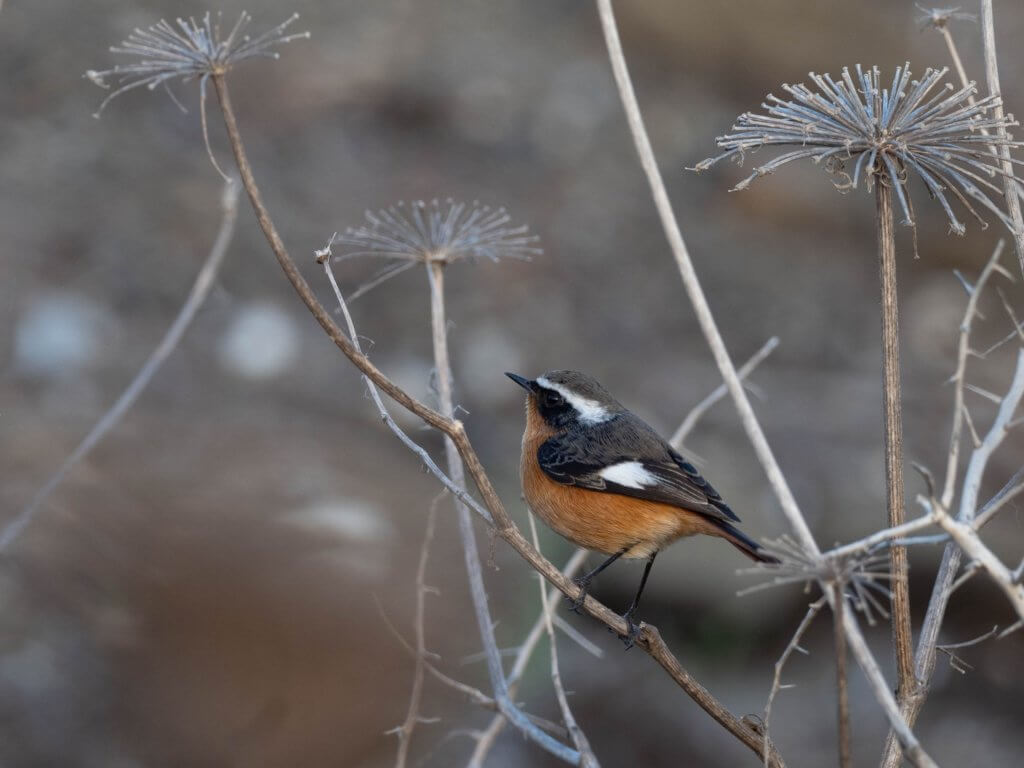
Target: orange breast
[(604, 522)]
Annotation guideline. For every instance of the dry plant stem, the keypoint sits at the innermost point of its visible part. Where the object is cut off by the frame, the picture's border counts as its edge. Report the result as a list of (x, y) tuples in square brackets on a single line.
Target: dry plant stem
[(755, 434), (992, 76), (650, 640), (793, 645), (968, 540), (963, 353), (412, 716), (475, 695), (925, 656), (843, 708), (474, 571), (489, 735), (587, 757), (962, 529), (879, 537), (911, 747), (901, 631), (954, 54), (688, 423), (1013, 487), (196, 298)]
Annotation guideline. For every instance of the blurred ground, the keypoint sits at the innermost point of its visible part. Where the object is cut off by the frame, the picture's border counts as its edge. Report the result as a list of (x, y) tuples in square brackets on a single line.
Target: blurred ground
[(204, 589)]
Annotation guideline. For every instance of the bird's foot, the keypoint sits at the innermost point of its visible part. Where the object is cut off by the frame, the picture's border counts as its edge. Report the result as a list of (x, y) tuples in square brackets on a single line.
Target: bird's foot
[(632, 631), (577, 602)]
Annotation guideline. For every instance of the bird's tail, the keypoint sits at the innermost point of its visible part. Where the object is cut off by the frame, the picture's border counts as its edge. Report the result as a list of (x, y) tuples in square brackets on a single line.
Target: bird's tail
[(744, 543)]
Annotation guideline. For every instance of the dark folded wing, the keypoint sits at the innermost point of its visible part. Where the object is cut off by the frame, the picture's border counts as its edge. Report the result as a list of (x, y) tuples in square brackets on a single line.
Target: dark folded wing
[(628, 458)]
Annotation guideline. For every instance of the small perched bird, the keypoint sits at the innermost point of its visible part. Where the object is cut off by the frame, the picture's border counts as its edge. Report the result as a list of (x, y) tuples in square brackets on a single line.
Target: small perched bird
[(601, 477)]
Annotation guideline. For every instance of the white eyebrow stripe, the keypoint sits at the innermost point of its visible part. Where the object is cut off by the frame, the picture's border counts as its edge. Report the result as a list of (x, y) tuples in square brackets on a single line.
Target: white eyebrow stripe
[(630, 474), (590, 411)]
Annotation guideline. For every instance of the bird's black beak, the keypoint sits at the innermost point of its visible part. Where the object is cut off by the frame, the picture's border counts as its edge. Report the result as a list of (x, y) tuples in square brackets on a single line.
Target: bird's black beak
[(526, 384)]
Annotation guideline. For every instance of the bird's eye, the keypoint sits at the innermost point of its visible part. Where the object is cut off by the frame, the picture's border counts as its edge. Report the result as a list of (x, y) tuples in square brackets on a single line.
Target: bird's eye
[(553, 399)]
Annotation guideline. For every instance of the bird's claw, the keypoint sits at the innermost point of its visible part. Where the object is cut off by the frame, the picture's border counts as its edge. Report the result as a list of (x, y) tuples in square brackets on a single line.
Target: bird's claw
[(633, 630), (581, 598)]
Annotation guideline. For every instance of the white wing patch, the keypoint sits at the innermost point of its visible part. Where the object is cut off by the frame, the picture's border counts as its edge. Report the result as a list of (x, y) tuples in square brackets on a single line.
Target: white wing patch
[(590, 411), (630, 474)]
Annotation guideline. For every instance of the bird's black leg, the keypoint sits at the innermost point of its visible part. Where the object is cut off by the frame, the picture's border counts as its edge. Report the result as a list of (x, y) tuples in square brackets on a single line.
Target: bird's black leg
[(583, 582), (634, 629)]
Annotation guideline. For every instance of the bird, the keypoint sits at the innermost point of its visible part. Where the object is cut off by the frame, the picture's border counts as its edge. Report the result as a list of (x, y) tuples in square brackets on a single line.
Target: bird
[(601, 477)]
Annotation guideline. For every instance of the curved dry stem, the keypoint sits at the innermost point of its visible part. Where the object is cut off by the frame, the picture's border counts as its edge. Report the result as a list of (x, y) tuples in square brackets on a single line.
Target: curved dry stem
[(412, 715), (196, 297), (488, 737), (695, 414), (587, 757), (794, 645)]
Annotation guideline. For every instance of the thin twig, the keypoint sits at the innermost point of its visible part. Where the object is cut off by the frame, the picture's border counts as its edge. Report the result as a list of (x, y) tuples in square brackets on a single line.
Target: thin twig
[(587, 757), (1013, 487), (954, 54), (955, 661), (969, 573), (794, 645), (688, 423), (993, 439), (879, 537), (488, 737), (197, 296), (988, 37), (475, 695), (959, 375), (412, 716)]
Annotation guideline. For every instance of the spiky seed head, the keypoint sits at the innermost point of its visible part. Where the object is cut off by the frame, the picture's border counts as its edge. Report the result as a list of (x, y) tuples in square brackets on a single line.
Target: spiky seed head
[(862, 576), (912, 127), (186, 50), (436, 231)]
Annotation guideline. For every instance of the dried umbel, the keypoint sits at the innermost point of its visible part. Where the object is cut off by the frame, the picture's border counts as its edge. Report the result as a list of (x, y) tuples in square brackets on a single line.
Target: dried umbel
[(436, 231), (861, 575), (422, 232), (188, 49), (857, 125)]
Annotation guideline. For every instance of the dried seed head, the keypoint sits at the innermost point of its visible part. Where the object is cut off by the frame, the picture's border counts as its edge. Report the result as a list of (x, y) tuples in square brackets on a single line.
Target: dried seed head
[(186, 50), (911, 127), (863, 576), (939, 18), (436, 231)]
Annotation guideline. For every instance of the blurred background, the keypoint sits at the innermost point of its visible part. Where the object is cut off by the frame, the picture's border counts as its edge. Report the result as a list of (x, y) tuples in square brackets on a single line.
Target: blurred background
[(207, 587)]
